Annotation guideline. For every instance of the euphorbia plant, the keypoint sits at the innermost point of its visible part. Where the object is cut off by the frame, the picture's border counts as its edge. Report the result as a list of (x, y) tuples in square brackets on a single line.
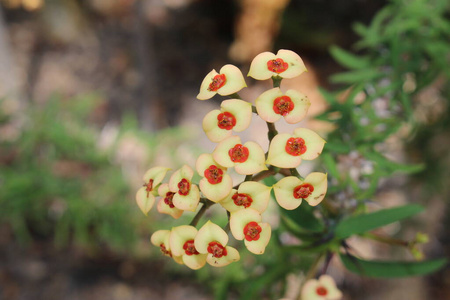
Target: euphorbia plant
[(322, 232)]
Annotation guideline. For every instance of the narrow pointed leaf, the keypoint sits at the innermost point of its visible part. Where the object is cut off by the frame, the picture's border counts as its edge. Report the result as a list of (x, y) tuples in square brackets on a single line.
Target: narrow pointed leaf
[(387, 269), (367, 222)]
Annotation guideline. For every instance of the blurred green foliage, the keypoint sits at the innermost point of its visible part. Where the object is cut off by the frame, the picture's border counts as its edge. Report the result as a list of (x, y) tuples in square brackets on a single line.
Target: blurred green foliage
[(57, 183)]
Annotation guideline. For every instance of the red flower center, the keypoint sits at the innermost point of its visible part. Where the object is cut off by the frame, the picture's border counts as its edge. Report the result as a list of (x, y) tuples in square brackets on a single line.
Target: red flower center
[(303, 191), (283, 105), (238, 153), (164, 251), (277, 65), (295, 146), (189, 248), (242, 200), (217, 250), (168, 199), (214, 174), (217, 82), (149, 186), (226, 120), (321, 291), (252, 231), (183, 187)]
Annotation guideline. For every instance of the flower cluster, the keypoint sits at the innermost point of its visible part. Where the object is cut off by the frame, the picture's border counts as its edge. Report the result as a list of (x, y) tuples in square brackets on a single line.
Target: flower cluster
[(244, 202)]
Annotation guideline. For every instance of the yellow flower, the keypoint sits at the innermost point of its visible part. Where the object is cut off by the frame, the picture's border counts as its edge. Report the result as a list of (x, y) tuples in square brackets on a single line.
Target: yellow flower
[(165, 204), (182, 245), (290, 190), (247, 158), (234, 115), (273, 104), (250, 194), (286, 64), (145, 196), (287, 151), (322, 289), (215, 184), (160, 239), (246, 224), (212, 240), (187, 194), (229, 81)]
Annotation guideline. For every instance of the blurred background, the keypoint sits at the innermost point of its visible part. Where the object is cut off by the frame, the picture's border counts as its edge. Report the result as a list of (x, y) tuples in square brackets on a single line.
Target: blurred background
[(94, 92)]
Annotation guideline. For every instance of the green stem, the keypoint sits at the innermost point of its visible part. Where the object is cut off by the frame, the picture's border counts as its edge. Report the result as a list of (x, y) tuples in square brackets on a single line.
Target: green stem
[(272, 131), (201, 212), (294, 172), (386, 239), (235, 96), (276, 81)]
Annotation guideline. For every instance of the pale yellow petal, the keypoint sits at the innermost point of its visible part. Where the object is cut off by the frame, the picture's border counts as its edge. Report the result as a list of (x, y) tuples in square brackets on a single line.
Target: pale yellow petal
[(228, 202), (204, 93), (188, 202), (185, 172), (209, 232), (264, 105), (255, 161), (161, 237), (212, 130), (259, 246), (239, 219), (157, 174), (284, 192), (195, 262), (319, 182), (241, 110), (314, 143), (204, 161), (277, 153), (258, 67), (234, 80), (163, 208), (218, 191), (232, 256), (220, 153), (301, 106), (179, 236), (144, 201), (260, 194), (296, 65)]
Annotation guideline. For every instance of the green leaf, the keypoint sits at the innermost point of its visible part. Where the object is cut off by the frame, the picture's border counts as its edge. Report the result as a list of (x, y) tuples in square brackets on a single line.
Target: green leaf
[(348, 59), (392, 166), (356, 76), (366, 222), (385, 269)]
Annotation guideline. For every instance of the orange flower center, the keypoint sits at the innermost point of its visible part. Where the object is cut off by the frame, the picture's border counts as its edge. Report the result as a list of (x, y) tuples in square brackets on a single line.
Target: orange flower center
[(217, 250), (189, 248), (183, 187), (164, 250), (149, 187), (238, 153), (214, 174), (303, 191), (252, 231), (283, 105), (277, 65), (242, 200), (321, 291), (168, 199), (226, 120), (295, 146), (217, 82)]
